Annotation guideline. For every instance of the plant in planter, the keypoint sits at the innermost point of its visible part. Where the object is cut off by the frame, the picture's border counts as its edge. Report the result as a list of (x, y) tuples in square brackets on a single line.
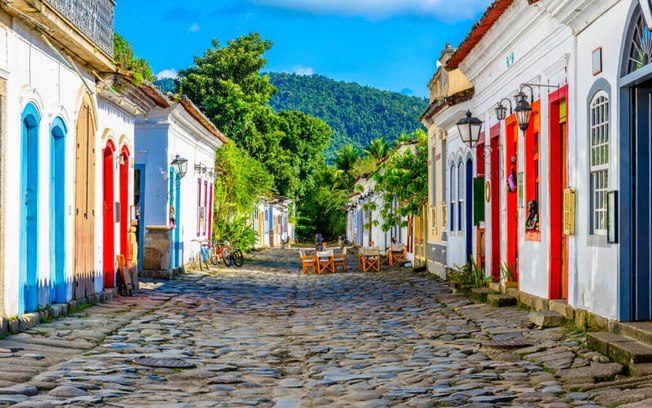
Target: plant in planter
[(508, 276)]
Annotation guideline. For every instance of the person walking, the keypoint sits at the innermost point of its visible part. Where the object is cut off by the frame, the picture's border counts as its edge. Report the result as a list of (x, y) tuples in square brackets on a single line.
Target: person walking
[(319, 242)]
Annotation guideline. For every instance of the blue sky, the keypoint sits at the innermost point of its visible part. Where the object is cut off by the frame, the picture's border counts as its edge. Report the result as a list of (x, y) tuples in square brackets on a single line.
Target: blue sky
[(388, 44)]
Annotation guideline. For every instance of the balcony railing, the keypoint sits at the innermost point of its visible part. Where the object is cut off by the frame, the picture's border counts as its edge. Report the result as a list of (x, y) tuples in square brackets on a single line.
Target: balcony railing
[(95, 18)]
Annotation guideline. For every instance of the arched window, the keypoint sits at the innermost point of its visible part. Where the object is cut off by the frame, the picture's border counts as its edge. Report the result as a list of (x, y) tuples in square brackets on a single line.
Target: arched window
[(599, 161), (453, 198), (460, 196), (640, 44)]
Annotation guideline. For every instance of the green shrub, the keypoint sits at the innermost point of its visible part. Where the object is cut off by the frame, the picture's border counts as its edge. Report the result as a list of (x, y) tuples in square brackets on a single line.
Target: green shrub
[(237, 232)]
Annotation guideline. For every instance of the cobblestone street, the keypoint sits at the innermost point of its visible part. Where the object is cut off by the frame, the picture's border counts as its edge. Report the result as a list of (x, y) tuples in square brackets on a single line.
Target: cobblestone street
[(272, 337)]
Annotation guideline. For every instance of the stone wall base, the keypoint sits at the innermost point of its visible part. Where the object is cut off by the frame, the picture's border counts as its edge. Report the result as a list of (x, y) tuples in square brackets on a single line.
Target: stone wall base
[(581, 318), (29, 320), (157, 274)]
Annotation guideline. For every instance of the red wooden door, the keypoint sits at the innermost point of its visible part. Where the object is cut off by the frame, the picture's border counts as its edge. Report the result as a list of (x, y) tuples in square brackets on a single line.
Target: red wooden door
[(108, 231), (124, 204), (511, 175), (557, 287), (495, 203)]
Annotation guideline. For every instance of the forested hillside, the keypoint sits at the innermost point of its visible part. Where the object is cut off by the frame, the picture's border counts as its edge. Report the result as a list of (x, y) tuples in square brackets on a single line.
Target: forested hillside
[(357, 114)]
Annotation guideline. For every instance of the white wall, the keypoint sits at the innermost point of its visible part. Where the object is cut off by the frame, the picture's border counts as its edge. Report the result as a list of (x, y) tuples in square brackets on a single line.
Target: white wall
[(595, 271), (35, 75), (165, 134)]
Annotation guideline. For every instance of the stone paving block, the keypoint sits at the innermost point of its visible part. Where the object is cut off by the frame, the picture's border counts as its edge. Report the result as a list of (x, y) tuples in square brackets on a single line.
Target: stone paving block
[(600, 341), (546, 318), (629, 353), (500, 300)]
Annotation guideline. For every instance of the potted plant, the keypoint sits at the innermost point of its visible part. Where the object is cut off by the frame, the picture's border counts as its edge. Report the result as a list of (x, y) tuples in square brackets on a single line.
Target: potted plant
[(507, 272)]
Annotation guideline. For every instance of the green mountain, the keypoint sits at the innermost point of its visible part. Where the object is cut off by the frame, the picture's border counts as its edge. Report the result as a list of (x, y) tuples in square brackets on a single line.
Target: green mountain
[(357, 114)]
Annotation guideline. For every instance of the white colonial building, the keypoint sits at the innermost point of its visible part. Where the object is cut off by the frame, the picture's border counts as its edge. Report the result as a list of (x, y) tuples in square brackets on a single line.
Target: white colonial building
[(174, 172)]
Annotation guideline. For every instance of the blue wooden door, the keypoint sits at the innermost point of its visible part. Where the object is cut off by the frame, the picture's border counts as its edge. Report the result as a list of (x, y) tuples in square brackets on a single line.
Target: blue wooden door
[(28, 302), (642, 225), (58, 212), (468, 200)]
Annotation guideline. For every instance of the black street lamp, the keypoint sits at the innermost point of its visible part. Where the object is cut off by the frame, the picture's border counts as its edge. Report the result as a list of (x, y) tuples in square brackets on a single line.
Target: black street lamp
[(501, 110), (523, 110), (180, 165), (469, 128)]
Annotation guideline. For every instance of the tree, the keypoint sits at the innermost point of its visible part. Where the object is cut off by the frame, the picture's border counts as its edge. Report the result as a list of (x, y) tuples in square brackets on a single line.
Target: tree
[(302, 143), (241, 186), (123, 54), (345, 159), (323, 207), (378, 149), (403, 178), (226, 84)]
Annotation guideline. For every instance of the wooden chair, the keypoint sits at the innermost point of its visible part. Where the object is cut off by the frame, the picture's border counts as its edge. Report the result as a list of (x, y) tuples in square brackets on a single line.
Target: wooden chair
[(308, 261), (396, 254), (126, 285), (369, 259), (325, 261), (339, 257)]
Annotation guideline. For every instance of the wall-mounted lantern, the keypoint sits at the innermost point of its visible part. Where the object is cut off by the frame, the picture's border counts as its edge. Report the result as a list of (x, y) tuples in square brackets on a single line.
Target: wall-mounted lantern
[(501, 110), (470, 129), (180, 165)]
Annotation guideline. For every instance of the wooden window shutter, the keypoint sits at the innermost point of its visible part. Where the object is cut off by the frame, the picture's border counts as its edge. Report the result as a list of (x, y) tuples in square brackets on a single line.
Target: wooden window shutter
[(569, 211), (478, 200)]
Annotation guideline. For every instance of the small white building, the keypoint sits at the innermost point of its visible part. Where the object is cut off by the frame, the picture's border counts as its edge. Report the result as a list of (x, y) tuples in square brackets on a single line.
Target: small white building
[(365, 220), (174, 175), (277, 227)]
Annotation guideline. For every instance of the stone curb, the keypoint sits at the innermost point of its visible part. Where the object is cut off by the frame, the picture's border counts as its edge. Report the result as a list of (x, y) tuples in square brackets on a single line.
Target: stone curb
[(55, 311)]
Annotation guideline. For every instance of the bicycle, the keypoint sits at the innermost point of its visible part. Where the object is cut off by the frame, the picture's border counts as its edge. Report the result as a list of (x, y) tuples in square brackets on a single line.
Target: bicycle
[(203, 253), (235, 256), (221, 252)]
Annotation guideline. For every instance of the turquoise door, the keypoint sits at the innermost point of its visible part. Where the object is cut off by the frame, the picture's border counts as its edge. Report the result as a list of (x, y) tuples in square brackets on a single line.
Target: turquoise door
[(58, 287), (176, 255), (28, 282)]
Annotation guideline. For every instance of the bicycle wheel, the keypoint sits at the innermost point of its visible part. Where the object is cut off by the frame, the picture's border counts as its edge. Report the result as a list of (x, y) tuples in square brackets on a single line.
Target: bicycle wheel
[(226, 257), (238, 258), (214, 258)]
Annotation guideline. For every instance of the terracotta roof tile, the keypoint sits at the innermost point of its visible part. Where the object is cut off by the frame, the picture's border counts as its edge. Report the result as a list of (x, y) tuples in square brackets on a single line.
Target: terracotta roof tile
[(478, 31)]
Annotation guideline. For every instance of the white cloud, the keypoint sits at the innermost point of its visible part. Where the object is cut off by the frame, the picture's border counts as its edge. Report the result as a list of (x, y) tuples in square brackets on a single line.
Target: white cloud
[(168, 73), (194, 28), (301, 70), (380, 9)]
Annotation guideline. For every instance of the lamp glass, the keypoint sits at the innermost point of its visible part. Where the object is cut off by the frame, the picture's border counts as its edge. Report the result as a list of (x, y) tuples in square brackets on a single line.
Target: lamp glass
[(469, 128), (180, 165), (501, 112), (523, 112)]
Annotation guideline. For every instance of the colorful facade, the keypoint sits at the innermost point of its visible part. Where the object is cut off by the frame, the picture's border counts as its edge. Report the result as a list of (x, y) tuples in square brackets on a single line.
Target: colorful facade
[(559, 207), (66, 149)]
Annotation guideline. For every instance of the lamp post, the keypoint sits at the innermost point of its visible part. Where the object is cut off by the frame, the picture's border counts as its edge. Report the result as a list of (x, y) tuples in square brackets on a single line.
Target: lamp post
[(180, 165), (470, 128)]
